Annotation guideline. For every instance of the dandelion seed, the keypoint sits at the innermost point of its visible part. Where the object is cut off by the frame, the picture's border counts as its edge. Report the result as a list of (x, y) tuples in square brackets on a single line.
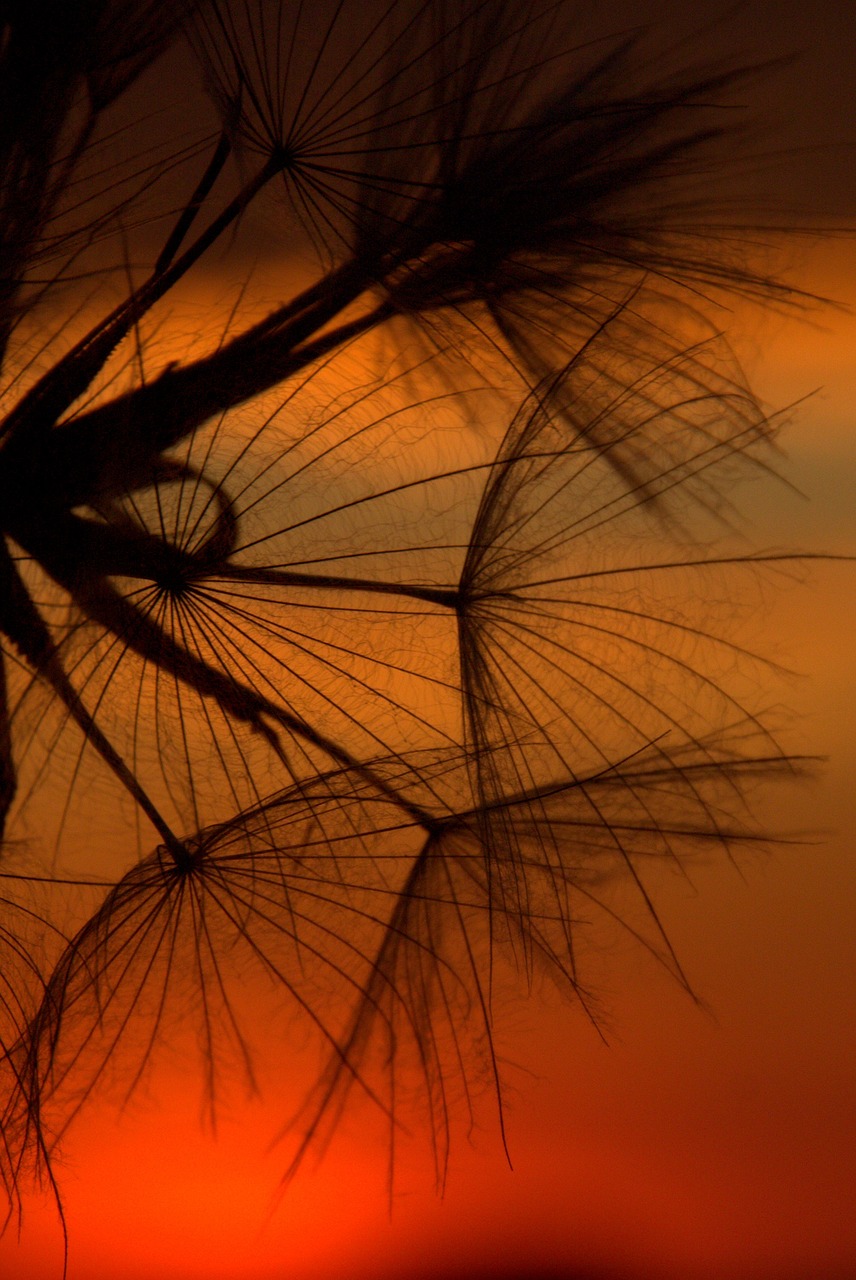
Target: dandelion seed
[(401, 686)]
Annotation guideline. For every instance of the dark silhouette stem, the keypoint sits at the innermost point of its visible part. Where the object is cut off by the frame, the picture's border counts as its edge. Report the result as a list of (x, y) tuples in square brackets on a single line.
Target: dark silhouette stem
[(447, 597), (21, 622)]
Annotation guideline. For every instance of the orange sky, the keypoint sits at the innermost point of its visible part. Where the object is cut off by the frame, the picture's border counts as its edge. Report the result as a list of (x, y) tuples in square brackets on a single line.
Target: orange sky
[(696, 1145)]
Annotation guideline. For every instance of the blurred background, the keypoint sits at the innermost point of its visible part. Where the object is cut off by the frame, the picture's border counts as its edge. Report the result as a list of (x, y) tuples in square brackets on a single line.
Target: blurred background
[(697, 1142)]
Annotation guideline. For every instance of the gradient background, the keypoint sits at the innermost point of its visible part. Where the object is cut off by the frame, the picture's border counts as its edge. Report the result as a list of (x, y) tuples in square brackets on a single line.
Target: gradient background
[(718, 1143)]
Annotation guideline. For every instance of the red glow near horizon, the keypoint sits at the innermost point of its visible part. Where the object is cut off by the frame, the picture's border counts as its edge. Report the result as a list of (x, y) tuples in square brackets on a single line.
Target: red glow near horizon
[(692, 1148)]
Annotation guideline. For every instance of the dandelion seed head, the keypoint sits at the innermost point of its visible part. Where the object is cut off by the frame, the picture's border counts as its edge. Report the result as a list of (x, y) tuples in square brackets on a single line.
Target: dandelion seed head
[(413, 663)]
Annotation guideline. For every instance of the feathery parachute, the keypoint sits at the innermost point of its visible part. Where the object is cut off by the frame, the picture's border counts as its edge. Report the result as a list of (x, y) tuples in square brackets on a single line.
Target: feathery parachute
[(380, 615)]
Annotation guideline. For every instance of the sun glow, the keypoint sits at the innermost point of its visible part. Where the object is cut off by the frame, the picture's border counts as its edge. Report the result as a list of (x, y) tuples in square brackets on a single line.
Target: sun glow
[(382, 646)]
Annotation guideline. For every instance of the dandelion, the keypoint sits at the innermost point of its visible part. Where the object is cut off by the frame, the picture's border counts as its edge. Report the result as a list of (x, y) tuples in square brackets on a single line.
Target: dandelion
[(379, 619)]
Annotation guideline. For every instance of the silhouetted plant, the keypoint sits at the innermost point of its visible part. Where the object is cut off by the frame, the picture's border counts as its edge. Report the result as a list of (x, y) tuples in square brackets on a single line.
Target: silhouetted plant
[(388, 610)]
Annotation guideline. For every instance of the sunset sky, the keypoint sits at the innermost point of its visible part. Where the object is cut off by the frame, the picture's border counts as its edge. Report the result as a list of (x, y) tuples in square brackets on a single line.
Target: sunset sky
[(710, 1141)]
